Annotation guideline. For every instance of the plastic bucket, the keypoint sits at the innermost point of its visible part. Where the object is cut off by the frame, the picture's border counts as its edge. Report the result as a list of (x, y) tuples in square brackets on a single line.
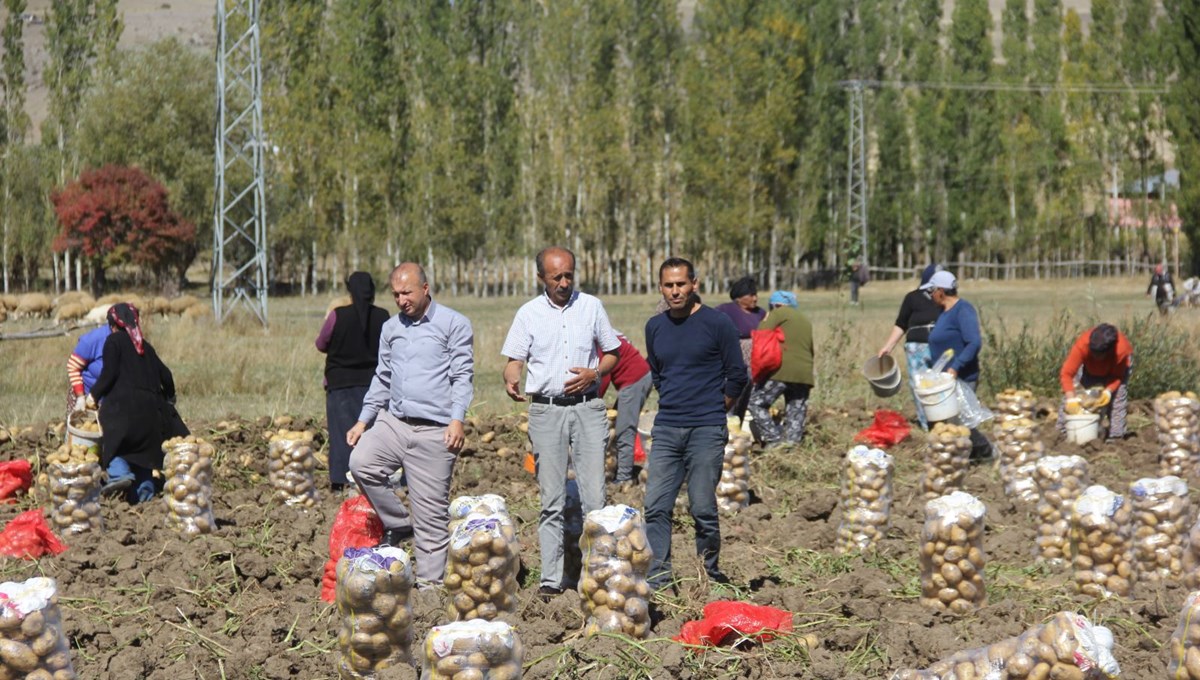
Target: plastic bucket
[(1082, 427), (940, 402), (884, 375), (76, 436)]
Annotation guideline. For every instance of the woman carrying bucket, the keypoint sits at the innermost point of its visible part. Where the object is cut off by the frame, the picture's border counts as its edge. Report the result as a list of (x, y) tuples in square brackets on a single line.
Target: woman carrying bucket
[(918, 313), (957, 330), (1101, 357)]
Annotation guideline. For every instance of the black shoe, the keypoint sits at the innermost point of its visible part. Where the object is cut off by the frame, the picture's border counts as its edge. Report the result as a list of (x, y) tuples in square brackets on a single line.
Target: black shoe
[(117, 486), (547, 593), (719, 577), (394, 537)]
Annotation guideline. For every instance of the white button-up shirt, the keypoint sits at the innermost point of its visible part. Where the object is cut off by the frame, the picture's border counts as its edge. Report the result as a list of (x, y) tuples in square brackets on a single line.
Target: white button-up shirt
[(551, 340)]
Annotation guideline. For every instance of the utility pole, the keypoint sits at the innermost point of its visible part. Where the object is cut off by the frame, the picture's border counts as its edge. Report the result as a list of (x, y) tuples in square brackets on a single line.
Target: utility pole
[(239, 268), (856, 177)]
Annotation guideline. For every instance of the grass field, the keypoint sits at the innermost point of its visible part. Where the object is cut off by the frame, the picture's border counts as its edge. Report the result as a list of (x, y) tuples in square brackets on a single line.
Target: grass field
[(243, 369)]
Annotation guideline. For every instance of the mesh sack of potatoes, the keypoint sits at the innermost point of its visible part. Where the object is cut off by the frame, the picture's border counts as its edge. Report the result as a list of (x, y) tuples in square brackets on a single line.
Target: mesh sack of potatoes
[(1060, 481), (733, 489), (290, 465), (1018, 445), (1185, 642), (865, 500), (73, 481), (32, 641), (1015, 404), (947, 457), (472, 650), (481, 568), (952, 559), (188, 489), (1177, 419), (1160, 514), (1100, 545), (616, 558), (1068, 647), (372, 595), (478, 506), (610, 451), (1191, 558)]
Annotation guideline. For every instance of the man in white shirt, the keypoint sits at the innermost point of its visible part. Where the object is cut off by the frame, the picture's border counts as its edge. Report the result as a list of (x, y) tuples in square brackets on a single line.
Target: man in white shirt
[(555, 336)]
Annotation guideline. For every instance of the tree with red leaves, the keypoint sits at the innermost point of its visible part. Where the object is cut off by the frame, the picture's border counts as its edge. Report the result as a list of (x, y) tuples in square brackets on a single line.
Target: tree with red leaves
[(119, 215)]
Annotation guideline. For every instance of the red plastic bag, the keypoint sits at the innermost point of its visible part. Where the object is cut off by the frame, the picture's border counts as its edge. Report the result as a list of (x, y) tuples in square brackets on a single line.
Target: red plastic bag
[(356, 526), (639, 453), (737, 619), (766, 353), (888, 429), (16, 476), (28, 537)]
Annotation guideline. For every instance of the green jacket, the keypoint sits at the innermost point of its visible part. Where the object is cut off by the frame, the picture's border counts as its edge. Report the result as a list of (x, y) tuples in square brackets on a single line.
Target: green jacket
[(797, 345)]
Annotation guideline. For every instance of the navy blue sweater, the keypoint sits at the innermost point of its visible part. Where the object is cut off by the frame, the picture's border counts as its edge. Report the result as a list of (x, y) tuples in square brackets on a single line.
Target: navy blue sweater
[(695, 362), (958, 329)]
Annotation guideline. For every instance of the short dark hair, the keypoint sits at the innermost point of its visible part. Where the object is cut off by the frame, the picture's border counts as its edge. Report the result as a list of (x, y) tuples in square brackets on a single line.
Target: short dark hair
[(1102, 339), (540, 260), (672, 263)]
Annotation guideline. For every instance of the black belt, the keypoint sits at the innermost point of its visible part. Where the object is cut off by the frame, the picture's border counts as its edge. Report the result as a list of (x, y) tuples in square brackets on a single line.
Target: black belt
[(564, 400), (419, 422)]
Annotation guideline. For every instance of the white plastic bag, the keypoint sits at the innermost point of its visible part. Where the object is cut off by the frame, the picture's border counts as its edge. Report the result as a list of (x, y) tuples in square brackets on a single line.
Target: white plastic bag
[(971, 413)]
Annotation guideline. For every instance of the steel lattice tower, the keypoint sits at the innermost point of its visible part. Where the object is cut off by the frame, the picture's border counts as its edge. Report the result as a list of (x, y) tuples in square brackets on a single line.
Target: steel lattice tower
[(856, 179), (239, 274)]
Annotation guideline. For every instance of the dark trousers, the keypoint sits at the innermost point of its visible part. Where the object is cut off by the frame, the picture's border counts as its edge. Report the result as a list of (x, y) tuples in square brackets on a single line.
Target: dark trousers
[(342, 406), (694, 455)]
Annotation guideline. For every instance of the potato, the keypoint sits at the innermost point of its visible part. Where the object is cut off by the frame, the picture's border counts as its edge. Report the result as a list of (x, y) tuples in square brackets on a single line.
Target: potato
[(1018, 449), (74, 490), (290, 465), (188, 464), (613, 589), (484, 562), (1060, 481), (865, 499), (1100, 541), (947, 457), (944, 584), (1176, 417), (734, 485), (472, 650), (372, 594)]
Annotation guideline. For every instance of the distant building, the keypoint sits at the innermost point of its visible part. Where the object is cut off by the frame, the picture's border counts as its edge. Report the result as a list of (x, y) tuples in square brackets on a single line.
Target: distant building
[(1130, 209)]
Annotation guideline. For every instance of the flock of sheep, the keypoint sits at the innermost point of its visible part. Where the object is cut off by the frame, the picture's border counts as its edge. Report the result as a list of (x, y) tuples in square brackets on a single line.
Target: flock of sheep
[(79, 307)]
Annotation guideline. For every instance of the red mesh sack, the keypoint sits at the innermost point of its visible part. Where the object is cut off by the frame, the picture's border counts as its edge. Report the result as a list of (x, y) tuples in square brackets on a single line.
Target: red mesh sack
[(740, 620), (888, 429), (16, 476), (356, 526), (28, 537), (639, 453)]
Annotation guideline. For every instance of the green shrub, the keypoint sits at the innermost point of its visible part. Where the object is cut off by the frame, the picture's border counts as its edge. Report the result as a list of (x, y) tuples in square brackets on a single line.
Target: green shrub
[(1163, 356)]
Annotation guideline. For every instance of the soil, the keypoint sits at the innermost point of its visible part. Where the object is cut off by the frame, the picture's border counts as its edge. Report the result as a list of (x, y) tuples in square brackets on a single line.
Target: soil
[(141, 602)]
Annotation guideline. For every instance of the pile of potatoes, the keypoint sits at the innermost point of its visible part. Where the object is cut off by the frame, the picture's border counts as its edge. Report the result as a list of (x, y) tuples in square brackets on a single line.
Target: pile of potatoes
[(610, 451), (1060, 481), (478, 650), (733, 489), (1191, 559), (1100, 544), (1014, 403), (865, 500), (947, 457), (612, 585), (290, 465), (74, 478), (952, 559), (1160, 513), (32, 641), (1068, 647), (1177, 418), (482, 566), (1019, 446), (372, 595), (1185, 642), (188, 489)]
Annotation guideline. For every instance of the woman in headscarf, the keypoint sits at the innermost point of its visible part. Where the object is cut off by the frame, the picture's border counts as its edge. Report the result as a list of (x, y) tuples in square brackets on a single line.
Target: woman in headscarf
[(918, 314), (794, 378), (137, 413), (746, 315), (350, 341)]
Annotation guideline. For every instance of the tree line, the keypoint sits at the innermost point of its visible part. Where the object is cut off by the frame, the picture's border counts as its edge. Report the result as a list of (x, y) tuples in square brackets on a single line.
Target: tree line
[(470, 134)]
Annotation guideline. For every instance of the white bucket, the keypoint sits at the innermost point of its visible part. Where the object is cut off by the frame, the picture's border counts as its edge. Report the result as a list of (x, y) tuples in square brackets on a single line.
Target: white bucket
[(940, 401), (884, 375), (1082, 427)]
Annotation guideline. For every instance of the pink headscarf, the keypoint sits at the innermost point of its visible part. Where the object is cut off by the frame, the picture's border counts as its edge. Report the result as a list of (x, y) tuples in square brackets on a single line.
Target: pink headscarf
[(125, 316)]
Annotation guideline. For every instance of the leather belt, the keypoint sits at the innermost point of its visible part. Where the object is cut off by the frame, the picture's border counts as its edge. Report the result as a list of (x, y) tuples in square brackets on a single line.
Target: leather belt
[(563, 400), (419, 422)]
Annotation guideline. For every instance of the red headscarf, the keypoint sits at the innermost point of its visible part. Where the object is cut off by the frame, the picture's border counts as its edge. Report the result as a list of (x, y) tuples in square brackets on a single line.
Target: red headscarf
[(125, 316)]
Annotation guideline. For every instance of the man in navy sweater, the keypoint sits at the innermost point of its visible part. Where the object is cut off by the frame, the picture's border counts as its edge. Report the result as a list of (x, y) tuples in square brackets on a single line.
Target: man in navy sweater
[(697, 367)]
